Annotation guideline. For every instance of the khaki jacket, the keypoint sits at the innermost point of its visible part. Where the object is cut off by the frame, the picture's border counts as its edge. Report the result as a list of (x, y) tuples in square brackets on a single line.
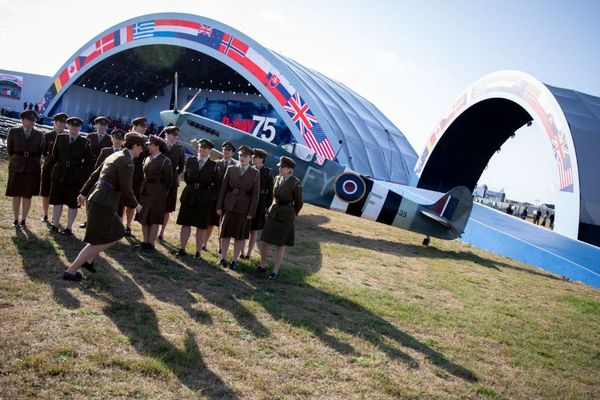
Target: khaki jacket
[(112, 180), (24, 153), (239, 193), (287, 199)]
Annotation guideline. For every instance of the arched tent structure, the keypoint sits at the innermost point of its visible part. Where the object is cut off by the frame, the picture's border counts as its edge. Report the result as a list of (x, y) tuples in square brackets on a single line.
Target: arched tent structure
[(321, 113), (489, 111)]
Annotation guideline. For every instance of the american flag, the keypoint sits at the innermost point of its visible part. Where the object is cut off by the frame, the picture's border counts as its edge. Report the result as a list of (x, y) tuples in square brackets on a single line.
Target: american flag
[(563, 160), (143, 30), (320, 141), (311, 131)]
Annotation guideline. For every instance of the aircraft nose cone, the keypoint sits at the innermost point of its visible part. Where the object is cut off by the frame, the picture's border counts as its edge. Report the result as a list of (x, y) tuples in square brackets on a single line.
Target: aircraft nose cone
[(169, 117)]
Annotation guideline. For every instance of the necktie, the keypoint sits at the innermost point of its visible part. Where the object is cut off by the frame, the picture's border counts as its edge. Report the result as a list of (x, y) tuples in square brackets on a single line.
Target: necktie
[(200, 163), (27, 133), (71, 139), (242, 170)]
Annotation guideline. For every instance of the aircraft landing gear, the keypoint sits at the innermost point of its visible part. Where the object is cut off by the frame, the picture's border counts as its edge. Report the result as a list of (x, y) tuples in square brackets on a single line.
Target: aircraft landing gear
[(426, 241)]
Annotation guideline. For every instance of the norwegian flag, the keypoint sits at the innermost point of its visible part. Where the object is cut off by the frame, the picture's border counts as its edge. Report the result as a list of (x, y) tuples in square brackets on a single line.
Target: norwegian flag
[(233, 48), (311, 131), (563, 160)]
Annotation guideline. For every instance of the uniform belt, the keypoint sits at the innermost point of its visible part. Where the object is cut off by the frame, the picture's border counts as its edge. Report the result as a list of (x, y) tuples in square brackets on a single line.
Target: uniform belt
[(236, 191), (198, 186), (264, 191), (108, 184), (27, 154), (283, 204)]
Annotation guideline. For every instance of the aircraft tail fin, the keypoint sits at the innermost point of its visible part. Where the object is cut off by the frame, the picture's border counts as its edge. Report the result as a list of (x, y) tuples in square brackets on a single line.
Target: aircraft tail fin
[(452, 210)]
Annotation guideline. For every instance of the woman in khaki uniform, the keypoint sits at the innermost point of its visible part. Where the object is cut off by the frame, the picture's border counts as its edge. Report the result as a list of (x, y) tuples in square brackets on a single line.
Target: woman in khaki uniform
[(24, 146), (107, 185), (72, 163), (201, 177), (154, 189), (60, 121), (139, 125), (238, 197), (281, 217)]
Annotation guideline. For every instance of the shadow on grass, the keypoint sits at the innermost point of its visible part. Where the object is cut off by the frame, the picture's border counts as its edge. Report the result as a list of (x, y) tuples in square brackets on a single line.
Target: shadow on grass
[(183, 276), (125, 306), (313, 224), (42, 263), (300, 305)]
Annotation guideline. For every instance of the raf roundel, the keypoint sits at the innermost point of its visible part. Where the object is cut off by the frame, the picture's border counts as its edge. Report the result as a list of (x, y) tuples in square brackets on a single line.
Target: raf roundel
[(350, 187)]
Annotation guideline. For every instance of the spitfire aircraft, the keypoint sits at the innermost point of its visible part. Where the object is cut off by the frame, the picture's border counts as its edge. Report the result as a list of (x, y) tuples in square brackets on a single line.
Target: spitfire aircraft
[(330, 185)]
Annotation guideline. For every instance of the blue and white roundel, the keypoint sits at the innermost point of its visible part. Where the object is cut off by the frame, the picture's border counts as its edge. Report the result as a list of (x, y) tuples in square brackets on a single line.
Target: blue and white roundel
[(350, 187)]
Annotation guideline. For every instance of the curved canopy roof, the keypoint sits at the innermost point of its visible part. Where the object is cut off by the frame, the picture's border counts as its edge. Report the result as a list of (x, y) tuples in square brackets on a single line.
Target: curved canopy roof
[(319, 111)]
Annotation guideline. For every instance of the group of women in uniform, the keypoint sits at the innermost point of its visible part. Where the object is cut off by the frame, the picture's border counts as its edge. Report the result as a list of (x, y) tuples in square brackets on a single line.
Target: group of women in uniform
[(242, 198)]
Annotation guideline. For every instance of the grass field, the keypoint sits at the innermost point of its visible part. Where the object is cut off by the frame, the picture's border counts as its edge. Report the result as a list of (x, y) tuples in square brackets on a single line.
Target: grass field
[(361, 311)]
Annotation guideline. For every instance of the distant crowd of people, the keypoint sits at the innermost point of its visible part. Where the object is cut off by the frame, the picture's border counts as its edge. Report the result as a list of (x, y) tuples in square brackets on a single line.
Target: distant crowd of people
[(537, 216), (122, 177)]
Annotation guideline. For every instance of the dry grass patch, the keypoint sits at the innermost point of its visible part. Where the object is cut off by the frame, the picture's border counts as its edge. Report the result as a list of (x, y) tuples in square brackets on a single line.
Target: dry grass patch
[(362, 311)]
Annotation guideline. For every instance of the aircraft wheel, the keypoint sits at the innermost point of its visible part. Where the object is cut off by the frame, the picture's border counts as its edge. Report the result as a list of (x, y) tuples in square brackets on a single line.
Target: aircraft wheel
[(426, 241)]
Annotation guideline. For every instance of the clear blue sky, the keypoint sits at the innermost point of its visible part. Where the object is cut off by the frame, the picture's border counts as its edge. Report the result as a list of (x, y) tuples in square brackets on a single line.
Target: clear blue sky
[(410, 58)]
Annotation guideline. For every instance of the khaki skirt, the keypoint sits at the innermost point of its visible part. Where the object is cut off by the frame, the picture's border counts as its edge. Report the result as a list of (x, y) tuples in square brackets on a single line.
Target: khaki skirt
[(103, 225)]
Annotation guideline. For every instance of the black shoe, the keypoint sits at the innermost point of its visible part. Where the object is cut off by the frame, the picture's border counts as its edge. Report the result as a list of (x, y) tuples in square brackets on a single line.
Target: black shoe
[(148, 247), (66, 232), (233, 265), (261, 269), (44, 218), (90, 267), (180, 253), (22, 224), (82, 226), (54, 229), (15, 223), (204, 248), (76, 277), (222, 263), (127, 231), (160, 238), (197, 256), (273, 276), (245, 257)]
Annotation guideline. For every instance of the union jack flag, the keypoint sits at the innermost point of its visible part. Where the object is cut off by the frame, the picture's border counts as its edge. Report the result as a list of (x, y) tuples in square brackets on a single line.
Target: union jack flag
[(563, 160), (311, 131), (205, 30)]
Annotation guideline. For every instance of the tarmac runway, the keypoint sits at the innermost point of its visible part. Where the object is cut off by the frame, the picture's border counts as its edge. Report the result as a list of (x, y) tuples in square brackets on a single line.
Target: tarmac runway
[(512, 237)]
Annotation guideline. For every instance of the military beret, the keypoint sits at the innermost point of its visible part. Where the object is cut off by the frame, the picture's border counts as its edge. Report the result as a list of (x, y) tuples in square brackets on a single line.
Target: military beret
[(28, 114), (286, 162), (102, 120), (74, 121), (245, 150), (260, 153), (228, 145), (158, 141), (139, 121), (132, 138), (118, 134), (171, 130), (61, 117)]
